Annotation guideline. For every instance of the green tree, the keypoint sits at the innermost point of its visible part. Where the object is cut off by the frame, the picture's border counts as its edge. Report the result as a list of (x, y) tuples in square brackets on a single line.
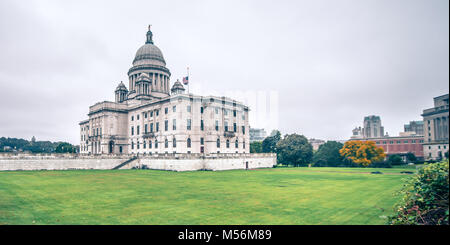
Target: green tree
[(294, 150), (411, 157), (395, 159), (328, 155), (256, 147), (269, 143), (65, 147)]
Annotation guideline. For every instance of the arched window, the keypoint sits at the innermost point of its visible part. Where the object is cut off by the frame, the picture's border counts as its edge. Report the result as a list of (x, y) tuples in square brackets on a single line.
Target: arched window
[(218, 142), (166, 143), (189, 142), (236, 143), (228, 143), (174, 142)]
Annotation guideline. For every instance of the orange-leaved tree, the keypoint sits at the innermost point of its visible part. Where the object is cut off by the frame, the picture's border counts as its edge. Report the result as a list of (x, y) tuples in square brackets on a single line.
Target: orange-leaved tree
[(362, 152)]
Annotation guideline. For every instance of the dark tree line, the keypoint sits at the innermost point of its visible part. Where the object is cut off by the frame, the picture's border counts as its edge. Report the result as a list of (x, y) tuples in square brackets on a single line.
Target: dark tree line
[(33, 146)]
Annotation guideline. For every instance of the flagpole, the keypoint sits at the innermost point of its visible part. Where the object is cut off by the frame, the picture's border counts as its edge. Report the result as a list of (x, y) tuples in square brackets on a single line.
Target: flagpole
[(188, 78)]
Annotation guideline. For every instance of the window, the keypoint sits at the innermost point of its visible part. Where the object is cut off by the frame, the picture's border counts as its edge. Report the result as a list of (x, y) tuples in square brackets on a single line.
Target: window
[(201, 109), (145, 114), (132, 145), (137, 117), (150, 144), (166, 143), (225, 112), (218, 143), (156, 144), (151, 127), (132, 130), (243, 144), (174, 124), (217, 110), (174, 108), (243, 116), (137, 130), (234, 113), (188, 108), (243, 129), (234, 127), (391, 142), (202, 141), (157, 112), (236, 143), (137, 144), (174, 142), (132, 118), (157, 127), (406, 142), (398, 142), (188, 142), (151, 113), (201, 125), (166, 110), (166, 125), (217, 125), (228, 143), (145, 128), (189, 124), (384, 142), (144, 144), (226, 126)]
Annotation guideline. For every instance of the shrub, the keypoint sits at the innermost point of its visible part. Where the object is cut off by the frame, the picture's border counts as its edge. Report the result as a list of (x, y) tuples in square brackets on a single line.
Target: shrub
[(425, 197), (395, 160)]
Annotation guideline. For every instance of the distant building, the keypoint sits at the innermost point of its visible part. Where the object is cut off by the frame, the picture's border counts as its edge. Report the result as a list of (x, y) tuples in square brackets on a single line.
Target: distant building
[(436, 128), (400, 145), (372, 128), (257, 134), (316, 143), (414, 126)]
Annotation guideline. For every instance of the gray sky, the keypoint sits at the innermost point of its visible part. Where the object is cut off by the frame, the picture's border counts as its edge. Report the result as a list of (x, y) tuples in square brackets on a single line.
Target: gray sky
[(331, 62)]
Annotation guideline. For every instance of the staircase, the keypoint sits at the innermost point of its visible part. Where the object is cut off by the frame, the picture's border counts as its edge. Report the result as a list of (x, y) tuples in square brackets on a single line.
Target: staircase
[(125, 163)]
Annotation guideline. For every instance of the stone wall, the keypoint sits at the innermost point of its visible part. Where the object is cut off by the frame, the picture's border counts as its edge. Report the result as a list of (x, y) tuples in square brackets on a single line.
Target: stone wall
[(173, 162)]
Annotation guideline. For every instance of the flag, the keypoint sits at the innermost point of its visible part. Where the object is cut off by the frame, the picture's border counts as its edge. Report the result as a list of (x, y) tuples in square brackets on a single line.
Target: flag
[(185, 80)]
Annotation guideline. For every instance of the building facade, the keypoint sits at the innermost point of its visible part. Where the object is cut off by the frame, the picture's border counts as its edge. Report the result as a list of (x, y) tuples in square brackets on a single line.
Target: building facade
[(151, 117), (257, 134), (436, 128), (401, 145), (372, 128), (414, 126)]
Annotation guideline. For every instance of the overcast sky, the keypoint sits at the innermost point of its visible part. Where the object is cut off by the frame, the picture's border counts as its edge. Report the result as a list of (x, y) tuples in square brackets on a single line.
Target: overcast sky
[(330, 62)]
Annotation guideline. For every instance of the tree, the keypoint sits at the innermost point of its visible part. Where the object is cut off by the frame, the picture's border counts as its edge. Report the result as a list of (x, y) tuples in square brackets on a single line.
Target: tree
[(328, 155), (395, 159), (65, 147), (269, 143), (294, 150), (256, 147), (411, 157), (362, 152)]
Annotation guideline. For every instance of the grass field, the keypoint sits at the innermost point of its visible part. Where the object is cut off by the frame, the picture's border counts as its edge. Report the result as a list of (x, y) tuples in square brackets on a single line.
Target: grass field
[(267, 196)]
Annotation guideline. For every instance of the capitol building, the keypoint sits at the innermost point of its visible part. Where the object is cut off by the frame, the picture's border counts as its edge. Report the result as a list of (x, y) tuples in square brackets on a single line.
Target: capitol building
[(153, 117)]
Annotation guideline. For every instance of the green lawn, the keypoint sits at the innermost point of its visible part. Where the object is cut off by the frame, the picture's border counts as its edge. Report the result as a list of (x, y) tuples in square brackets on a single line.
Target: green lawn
[(267, 196)]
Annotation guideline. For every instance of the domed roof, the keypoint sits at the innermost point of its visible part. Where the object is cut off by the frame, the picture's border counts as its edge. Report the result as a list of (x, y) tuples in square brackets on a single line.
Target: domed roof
[(121, 86), (149, 53), (177, 85)]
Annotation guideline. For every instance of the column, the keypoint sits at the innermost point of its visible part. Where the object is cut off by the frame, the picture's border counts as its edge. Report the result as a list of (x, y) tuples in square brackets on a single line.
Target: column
[(153, 81)]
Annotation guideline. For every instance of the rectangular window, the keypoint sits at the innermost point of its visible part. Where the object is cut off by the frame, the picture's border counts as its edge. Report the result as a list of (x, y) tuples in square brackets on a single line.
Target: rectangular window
[(201, 125), (151, 113), (132, 130), (217, 125), (145, 116), (137, 130), (243, 129), (234, 113), (174, 124), (137, 118), (166, 110), (157, 112), (174, 108), (234, 127), (157, 127), (166, 125), (201, 109), (132, 118), (145, 128), (188, 108), (226, 126), (151, 127), (217, 110), (225, 112), (202, 141), (189, 124)]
